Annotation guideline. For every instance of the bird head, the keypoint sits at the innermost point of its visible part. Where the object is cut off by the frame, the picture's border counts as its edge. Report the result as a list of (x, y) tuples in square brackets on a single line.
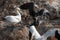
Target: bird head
[(17, 10)]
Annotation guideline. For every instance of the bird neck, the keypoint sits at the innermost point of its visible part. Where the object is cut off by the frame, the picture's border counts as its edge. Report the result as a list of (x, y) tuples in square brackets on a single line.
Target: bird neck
[(34, 32), (18, 13)]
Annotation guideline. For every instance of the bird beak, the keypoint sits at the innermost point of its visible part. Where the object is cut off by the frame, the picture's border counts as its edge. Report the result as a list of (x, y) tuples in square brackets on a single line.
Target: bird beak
[(17, 8), (36, 5)]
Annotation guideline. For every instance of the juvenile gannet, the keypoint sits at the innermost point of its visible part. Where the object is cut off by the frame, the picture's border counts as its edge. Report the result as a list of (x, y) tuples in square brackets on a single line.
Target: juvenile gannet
[(30, 6), (14, 19)]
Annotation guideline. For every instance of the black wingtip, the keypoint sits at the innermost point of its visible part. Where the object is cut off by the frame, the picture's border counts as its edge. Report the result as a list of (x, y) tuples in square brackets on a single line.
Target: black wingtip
[(57, 35)]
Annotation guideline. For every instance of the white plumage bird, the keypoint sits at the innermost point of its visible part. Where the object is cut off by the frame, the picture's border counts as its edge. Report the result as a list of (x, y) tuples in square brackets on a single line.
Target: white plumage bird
[(14, 19), (37, 36)]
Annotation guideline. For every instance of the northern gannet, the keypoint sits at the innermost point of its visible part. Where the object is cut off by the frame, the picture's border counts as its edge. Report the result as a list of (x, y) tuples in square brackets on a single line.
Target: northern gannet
[(30, 6), (14, 19), (34, 32), (51, 32)]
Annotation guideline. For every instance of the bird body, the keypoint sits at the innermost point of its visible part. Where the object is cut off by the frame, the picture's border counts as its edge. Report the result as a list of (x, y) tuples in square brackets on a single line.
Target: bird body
[(30, 6), (50, 32), (37, 36), (34, 32), (14, 19)]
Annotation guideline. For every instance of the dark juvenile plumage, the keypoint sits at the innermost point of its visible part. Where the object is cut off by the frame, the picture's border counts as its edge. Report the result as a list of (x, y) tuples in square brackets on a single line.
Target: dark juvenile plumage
[(27, 5), (32, 12), (30, 7)]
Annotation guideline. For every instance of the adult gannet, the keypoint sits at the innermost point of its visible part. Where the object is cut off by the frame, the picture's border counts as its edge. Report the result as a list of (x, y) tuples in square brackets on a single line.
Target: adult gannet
[(34, 32), (14, 19), (51, 32)]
